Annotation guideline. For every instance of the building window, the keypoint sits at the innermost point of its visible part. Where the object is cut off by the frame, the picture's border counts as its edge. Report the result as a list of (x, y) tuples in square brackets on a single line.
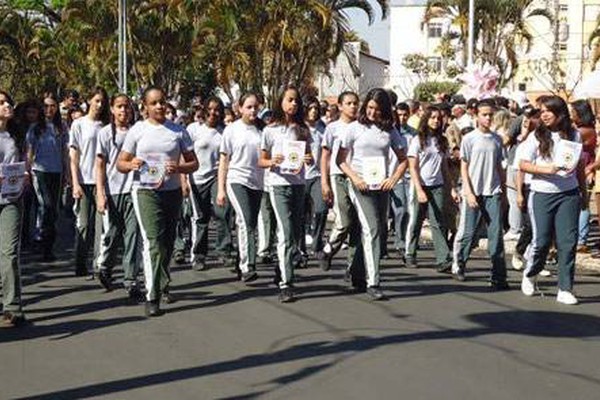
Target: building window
[(562, 47), (435, 64), (434, 30), (563, 8)]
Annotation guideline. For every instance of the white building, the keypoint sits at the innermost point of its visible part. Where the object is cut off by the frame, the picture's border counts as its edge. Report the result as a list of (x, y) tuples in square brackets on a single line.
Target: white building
[(366, 72)]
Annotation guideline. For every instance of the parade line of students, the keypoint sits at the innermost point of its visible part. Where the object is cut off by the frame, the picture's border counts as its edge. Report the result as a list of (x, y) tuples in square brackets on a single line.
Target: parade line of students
[(134, 174)]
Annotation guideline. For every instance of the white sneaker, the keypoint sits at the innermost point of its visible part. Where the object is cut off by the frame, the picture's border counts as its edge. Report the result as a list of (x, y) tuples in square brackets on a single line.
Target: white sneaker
[(510, 236), (528, 285), (308, 240), (567, 298), (518, 262), (545, 273)]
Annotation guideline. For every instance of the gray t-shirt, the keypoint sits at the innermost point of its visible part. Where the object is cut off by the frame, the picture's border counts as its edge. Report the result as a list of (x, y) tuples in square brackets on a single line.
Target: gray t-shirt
[(273, 141), (207, 142), (332, 139), (9, 153), (367, 142), (430, 159), (548, 183), (48, 149), (109, 148), (406, 134), (168, 140), (483, 152), (241, 142), (316, 135), (83, 137)]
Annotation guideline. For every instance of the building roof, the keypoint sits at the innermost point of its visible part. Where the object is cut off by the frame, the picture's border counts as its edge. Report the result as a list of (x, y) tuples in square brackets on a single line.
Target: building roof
[(371, 56)]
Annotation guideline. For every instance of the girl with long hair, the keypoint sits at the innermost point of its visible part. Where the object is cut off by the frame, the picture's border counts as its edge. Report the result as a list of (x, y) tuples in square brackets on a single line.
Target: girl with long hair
[(10, 219), (160, 151), (428, 155), (364, 158), (114, 202), (558, 191), (47, 156), (240, 180), (82, 153), (287, 183)]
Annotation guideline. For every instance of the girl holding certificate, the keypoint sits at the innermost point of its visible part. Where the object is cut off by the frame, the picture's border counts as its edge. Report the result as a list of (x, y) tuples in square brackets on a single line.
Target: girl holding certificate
[(364, 158), (113, 200), (240, 180), (82, 153), (159, 151), (428, 161), (46, 153), (10, 217), (285, 149), (552, 157)]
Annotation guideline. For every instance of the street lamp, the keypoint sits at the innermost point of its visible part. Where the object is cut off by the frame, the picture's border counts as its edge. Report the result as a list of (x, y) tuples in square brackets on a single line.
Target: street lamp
[(122, 46)]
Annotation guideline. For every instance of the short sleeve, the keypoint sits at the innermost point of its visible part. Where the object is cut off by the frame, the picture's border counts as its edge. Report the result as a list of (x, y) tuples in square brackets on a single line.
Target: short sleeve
[(349, 138), (74, 135), (465, 149), (266, 141), (414, 147), (130, 144), (30, 136), (186, 143), (226, 147), (328, 138), (396, 141), (527, 151), (101, 145)]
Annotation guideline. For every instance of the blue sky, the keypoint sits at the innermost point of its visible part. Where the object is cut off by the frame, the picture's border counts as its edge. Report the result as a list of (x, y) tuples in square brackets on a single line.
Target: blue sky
[(377, 34)]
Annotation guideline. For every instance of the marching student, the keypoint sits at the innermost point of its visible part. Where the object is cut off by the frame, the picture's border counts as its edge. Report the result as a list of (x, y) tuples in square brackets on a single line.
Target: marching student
[(557, 194), (46, 154), (207, 136), (318, 212), (82, 153), (483, 183), (287, 181), (159, 151), (428, 155), (10, 220), (334, 185), (364, 158), (240, 180), (114, 202)]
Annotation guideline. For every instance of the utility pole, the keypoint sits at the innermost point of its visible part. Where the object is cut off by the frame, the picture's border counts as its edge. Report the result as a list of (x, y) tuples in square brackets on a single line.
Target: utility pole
[(122, 46), (471, 47), (555, 69)]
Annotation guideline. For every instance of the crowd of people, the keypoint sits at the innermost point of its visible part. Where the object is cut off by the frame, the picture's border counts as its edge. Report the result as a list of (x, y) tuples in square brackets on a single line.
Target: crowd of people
[(144, 172)]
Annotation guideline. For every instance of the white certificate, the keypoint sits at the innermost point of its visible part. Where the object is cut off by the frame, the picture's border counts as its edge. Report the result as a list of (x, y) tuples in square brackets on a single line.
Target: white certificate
[(152, 172), (566, 156), (293, 156), (13, 178), (374, 172)]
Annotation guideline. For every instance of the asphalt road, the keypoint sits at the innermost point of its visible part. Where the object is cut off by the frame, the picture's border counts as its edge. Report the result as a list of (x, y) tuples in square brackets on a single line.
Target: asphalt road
[(434, 338)]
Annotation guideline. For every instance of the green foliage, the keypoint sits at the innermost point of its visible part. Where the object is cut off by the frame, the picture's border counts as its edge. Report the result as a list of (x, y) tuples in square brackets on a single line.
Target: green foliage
[(426, 91)]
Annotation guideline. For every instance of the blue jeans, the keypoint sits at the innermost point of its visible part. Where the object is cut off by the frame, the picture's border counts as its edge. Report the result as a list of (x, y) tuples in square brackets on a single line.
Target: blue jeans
[(399, 198), (584, 226)]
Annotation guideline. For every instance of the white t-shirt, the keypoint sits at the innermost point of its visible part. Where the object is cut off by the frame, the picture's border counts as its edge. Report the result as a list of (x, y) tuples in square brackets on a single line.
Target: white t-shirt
[(207, 142), (518, 158), (316, 134), (168, 140), (430, 160), (83, 137), (548, 183), (484, 153), (272, 141), (109, 148), (9, 154), (241, 142), (332, 139), (369, 141)]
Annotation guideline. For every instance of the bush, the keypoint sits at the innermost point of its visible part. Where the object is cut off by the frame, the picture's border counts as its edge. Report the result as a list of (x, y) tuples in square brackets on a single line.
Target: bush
[(426, 91)]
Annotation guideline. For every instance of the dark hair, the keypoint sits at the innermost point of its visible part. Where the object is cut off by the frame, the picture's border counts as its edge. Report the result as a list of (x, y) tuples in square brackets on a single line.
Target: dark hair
[(466, 130), (312, 100), (472, 103), (298, 118), (220, 105), (530, 111), (113, 125), (345, 94), (502, 102), (485, 103), (259, 123), (148, 90), (424, 130), (11, 125), (584, 112), (382, 98), (105, 112), (393, 96), (21, 111), (403, 107), (71, 93), (557, 106), (56, 120)]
